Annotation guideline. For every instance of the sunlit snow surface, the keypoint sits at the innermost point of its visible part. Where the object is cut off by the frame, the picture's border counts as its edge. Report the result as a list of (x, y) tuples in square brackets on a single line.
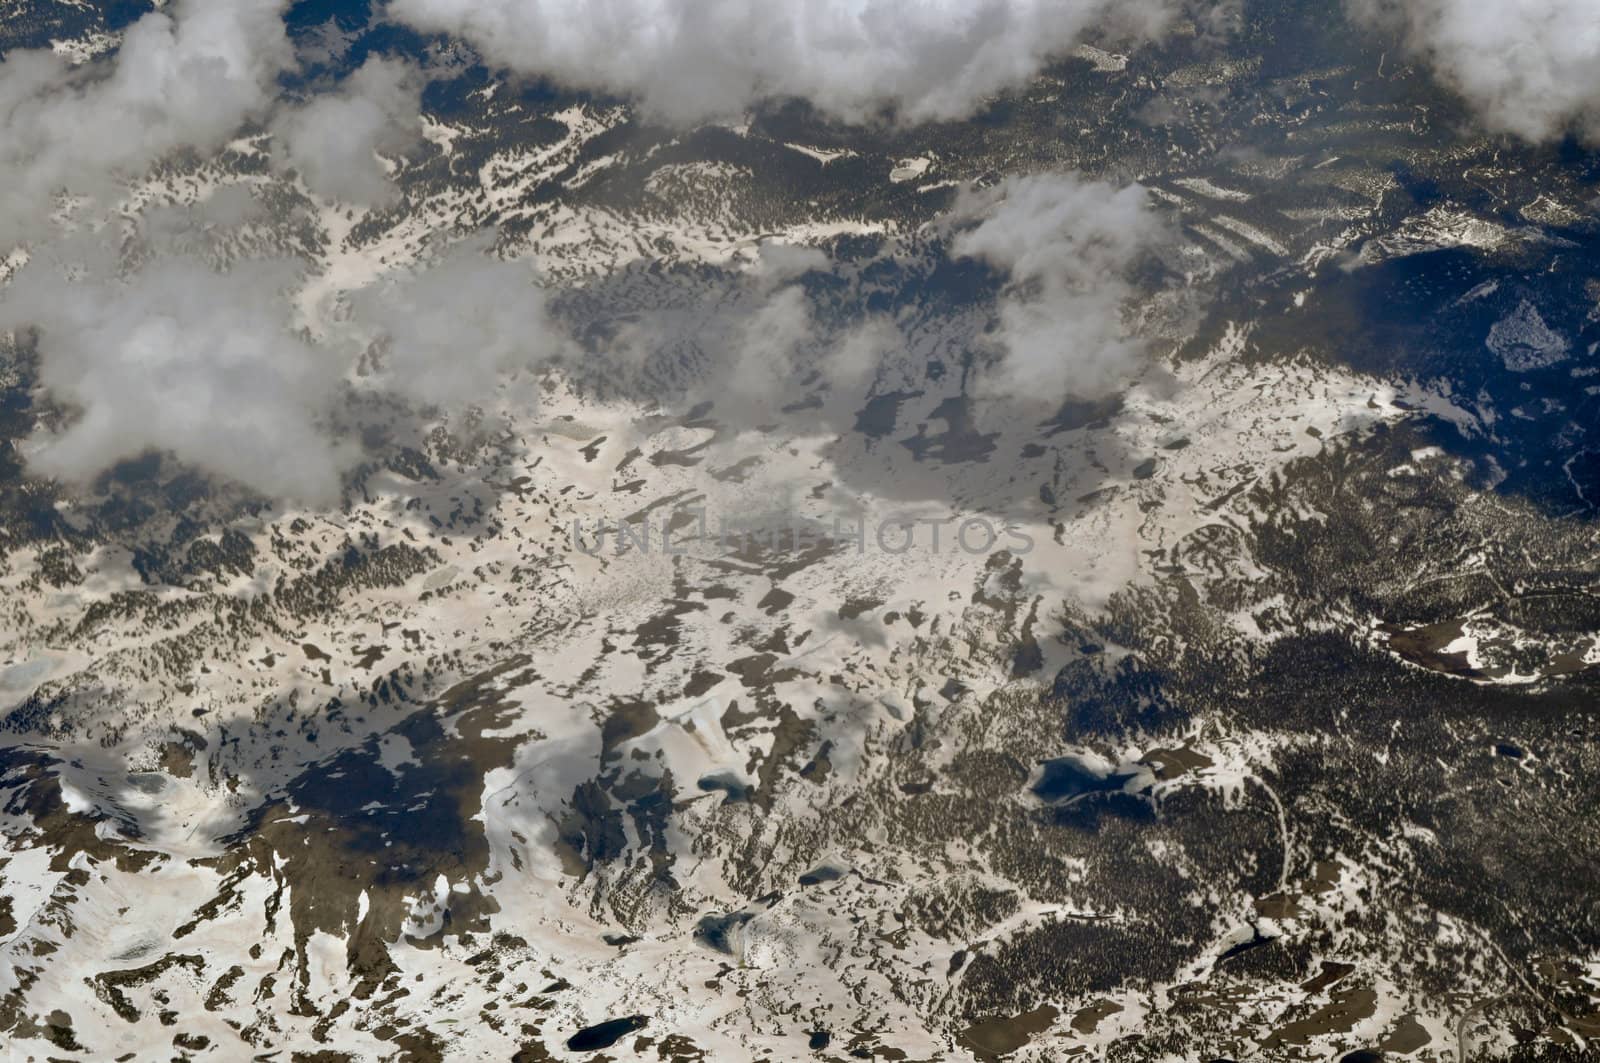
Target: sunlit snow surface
[(1278, 743)]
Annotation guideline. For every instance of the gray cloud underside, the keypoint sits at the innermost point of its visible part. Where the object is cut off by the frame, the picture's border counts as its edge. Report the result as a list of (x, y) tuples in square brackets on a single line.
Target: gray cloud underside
[(1527, 67), (686, 60), (182, 359)]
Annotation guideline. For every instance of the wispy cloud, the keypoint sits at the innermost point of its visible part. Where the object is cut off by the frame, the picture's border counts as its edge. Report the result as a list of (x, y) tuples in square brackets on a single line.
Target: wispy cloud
[(1067, 245)]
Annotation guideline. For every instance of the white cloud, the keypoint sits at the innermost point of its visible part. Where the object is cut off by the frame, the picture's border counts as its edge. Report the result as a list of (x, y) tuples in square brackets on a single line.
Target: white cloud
[(184, 79), (445, 334), (208, 366), (177, 356), (334, 140), (851, 363), (777, 264), (687, 60), (1068, 245), (764, 345), (182, 359), (1527, 67), (760, 344)]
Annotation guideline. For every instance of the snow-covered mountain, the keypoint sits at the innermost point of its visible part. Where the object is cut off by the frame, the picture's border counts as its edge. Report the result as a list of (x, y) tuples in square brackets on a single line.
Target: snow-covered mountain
[(1244, 710)]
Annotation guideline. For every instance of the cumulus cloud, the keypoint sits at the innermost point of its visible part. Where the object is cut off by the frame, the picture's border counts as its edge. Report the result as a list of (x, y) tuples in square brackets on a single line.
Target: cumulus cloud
[(208, 365), (1068, 246), (142, 337), (183, 359), (445, 334), (154, 347), (185, 77), (333, 141), (1527, 67), (687, 60)]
